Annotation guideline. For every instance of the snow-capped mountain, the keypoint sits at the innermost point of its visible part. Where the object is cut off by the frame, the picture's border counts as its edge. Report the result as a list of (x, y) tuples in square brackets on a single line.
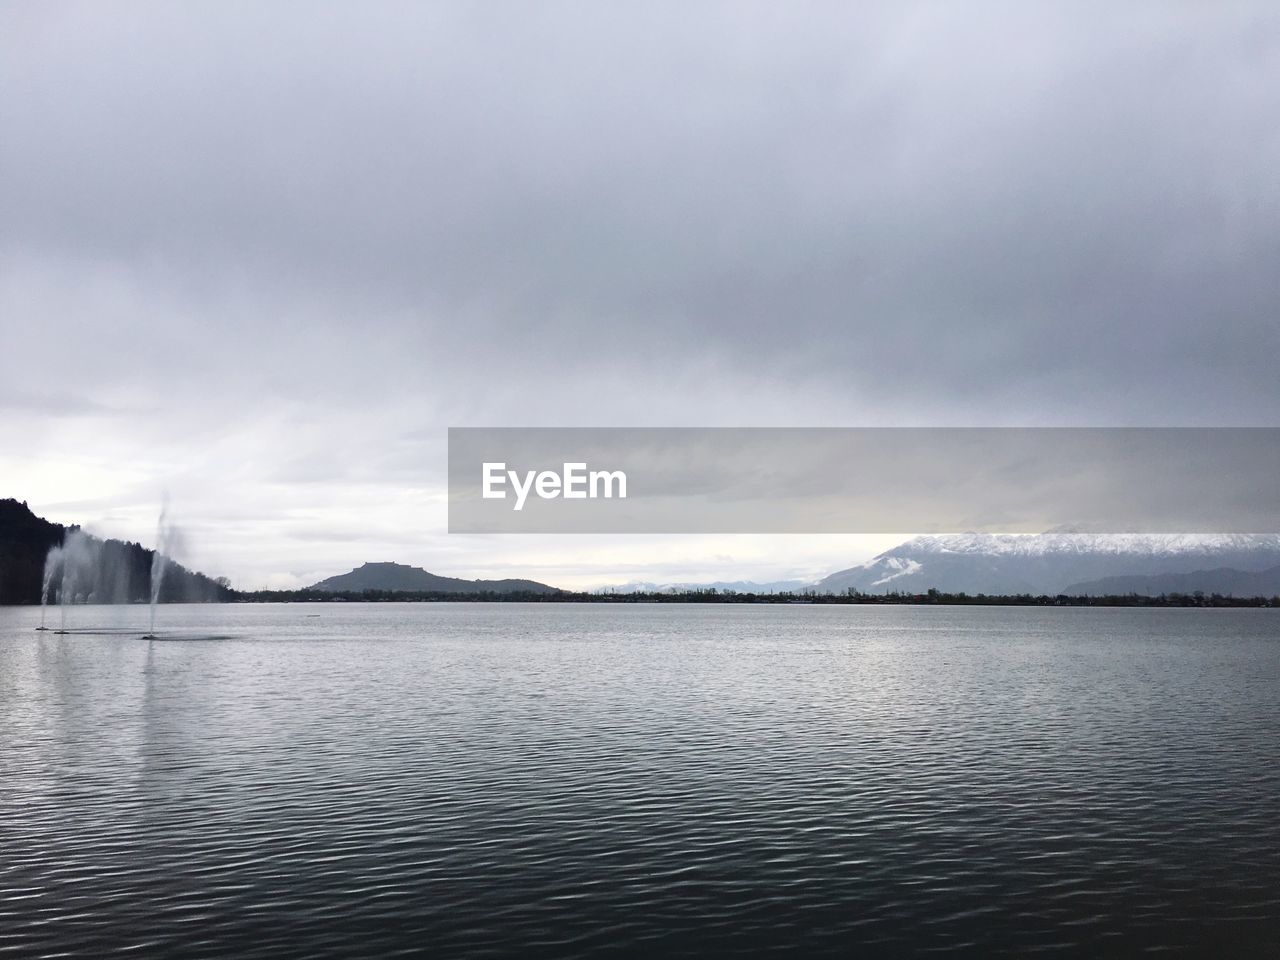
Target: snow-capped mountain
[(1047, 563), (1236, 583)]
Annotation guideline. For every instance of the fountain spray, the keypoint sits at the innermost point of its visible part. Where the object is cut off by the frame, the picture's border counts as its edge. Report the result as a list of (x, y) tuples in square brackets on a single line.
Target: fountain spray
[(51, 564), (77, 562), (159, 560)]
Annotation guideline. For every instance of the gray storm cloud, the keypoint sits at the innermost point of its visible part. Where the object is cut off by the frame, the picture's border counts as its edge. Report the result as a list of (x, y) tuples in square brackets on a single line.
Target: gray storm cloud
[(310, 235)]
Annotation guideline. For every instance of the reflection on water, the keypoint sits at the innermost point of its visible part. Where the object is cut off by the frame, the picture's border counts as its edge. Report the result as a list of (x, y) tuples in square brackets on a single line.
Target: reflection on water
[(371, 779)]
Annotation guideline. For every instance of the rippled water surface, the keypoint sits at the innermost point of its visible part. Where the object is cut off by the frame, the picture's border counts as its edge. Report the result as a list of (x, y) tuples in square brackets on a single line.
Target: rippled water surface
[(373, 779)]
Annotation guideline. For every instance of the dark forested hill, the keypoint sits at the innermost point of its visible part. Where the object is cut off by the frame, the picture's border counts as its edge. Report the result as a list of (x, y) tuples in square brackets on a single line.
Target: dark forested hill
[(97, 571), (25, 540)]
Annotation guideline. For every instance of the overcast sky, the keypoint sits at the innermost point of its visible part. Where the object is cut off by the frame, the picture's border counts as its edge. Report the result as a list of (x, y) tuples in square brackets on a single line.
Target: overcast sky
[(261, 256)]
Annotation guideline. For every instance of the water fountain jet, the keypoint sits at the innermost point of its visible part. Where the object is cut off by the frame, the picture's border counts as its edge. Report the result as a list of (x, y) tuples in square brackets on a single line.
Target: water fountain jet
[(77, 561), (51, 564), (159, 561)]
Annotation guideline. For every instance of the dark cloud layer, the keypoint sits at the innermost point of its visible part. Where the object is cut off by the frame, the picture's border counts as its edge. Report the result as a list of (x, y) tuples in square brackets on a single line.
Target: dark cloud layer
[(348, 224)]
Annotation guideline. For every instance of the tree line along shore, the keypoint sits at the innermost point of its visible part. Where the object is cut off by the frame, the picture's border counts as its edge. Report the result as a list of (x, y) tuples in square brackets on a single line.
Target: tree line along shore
[(932, 597)]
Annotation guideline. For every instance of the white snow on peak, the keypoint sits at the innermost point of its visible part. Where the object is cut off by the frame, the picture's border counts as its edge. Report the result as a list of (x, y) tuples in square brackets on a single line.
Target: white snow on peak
[(901, 568)]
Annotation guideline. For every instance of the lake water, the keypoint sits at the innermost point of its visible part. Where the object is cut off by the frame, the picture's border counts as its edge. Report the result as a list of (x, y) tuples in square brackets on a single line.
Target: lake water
[(380, 779)]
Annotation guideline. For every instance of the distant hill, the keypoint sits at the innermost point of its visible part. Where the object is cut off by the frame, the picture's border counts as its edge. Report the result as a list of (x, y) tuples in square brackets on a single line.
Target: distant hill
[(1224, 580), (399, 578), (107, 571), (721, 586), (1049, 563)]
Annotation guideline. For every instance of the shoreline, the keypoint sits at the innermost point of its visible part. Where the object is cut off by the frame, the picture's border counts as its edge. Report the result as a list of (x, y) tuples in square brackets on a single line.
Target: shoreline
[(1207, 601)]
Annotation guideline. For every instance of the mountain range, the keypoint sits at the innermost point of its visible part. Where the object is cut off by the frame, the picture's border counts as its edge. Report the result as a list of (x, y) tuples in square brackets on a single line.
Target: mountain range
[(1224, 580), (1060, 562), (399, 578), (1071, 563)]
